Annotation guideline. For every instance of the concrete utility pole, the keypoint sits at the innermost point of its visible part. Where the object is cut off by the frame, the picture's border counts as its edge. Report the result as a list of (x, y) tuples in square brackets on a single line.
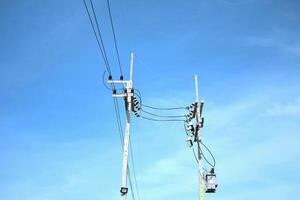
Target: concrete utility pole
[(128, 96), (198, 138)]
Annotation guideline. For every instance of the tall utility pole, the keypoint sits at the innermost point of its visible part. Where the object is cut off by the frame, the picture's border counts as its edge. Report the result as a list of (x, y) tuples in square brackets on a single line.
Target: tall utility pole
[(128, 96), (199, 122)]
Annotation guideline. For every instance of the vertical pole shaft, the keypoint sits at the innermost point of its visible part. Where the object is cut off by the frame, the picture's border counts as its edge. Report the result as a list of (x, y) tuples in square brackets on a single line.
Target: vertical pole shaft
[(128, 103), (125, 154), (198, 139)]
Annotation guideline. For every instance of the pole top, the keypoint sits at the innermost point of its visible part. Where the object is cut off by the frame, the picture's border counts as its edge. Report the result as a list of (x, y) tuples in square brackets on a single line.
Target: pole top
[(131, 66), (196, 88)]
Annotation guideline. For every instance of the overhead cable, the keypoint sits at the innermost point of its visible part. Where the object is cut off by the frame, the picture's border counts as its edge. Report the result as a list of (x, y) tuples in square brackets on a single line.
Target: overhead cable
[(97, 39), (159, 108), (214, 161), (99, 32), (165, 116), (115, 38), (159, 120)]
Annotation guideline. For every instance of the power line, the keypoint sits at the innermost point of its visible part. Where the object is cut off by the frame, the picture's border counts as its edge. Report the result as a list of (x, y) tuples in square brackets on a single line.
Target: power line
[(158, 108), (162, 120), (212, 165), (99, 32), (195, 156), (130, 184), (115, 39), (152, 119), (106, 85), (166, 116), (134, 172), (97, 39), (154, 114), (214, 161)]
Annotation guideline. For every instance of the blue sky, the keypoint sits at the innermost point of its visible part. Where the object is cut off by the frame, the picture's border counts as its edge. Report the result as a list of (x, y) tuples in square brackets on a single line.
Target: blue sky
[(58, 136)]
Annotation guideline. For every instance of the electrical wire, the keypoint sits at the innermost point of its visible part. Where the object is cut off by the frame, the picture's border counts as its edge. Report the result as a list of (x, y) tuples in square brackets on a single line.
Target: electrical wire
[(130, 184), (157, 108), (207, 161), (138, 93), (99, 33), (115, 39), (134, 172), (166, 116), (97, 39), (106, 85), (153, 114), (103, 81), (161, 120), (195, 156), (196, 159), (214, 161)]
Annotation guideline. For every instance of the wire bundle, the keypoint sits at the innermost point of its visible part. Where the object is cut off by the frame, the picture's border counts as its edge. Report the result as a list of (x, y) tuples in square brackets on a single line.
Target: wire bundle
[(143, 111)]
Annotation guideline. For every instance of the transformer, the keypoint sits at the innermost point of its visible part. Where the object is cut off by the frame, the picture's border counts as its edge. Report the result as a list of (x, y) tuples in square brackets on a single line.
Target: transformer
[(211, 181)]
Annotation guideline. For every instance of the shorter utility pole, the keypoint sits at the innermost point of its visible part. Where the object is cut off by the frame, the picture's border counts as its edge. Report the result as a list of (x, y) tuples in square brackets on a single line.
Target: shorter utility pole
[(198, 113), (193, 124), (127, 94)]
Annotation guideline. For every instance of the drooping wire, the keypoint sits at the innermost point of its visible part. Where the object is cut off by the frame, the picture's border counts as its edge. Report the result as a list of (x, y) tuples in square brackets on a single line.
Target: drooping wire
[(196, 159), (165, 116), (103, 81), (115, 39), (194, 153), (158, 108), (138, 94), (208, 162), (161, 120), (214, 161)]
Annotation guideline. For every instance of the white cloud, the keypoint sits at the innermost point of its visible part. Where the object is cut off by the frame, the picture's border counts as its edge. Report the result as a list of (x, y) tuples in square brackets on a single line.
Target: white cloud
[(271, 41), (176, 174), (237, 164), (287, 109)]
